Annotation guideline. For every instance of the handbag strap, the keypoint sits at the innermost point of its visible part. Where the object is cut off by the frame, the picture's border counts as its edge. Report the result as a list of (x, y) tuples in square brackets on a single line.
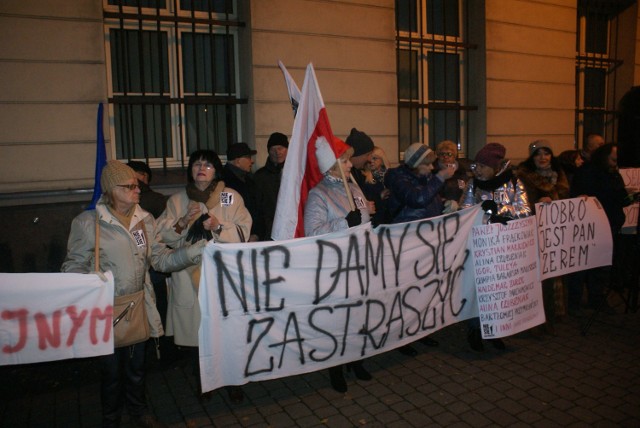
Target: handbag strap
[(240, 233)]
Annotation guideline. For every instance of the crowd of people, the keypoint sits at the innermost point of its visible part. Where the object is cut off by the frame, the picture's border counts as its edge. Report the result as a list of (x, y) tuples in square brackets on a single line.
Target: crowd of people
[(138, 233)]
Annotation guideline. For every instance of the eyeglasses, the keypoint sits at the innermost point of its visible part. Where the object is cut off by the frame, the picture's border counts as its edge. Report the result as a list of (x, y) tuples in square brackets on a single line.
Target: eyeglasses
[(205, 165), (445, 154), (129, 186)]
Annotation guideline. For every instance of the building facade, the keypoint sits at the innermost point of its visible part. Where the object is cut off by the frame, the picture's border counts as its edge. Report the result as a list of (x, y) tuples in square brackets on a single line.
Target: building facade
[(175, 75)]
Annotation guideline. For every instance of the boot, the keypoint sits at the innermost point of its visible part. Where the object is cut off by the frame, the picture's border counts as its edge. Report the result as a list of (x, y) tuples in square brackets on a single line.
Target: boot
[(235, 394), (429, 341), (337, 379), (474, 337), (498, 344), (408, 350), (359, 370)]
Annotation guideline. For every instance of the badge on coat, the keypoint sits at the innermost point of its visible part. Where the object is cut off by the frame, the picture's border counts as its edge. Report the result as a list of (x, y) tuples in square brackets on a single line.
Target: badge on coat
[(138, 235), (500, 197), (360, 204), (226, 199)]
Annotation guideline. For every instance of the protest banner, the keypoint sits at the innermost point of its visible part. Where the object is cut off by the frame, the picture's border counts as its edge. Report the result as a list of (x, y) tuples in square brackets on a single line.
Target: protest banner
[(631, 178), (54, 316), (509, 292), (573, 235), (275, 309)]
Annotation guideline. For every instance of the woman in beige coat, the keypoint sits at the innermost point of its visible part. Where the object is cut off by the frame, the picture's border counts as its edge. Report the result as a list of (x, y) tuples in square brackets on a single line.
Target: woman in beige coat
[(226, 220), (127, 246)]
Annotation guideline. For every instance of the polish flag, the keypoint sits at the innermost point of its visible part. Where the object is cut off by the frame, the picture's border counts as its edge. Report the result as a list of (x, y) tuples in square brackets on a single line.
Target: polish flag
[(301, 172), (292, 88)]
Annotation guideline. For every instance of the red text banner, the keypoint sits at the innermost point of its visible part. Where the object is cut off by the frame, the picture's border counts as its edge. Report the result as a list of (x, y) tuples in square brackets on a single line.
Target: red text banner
[(54, 316)]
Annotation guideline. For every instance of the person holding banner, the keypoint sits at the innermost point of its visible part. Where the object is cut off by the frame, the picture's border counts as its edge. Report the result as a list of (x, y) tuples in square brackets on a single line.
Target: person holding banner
[(503, 198), (336, 203), (205, 207), (121, 237), (414, 189), (600, 178), (545, 181), (447, 152), (415, 196)]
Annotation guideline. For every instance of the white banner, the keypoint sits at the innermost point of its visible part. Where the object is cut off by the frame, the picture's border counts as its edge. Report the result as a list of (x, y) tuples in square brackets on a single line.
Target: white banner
[(573, 235), (631, 177), (275, 309), (505, 260), (54, 316)]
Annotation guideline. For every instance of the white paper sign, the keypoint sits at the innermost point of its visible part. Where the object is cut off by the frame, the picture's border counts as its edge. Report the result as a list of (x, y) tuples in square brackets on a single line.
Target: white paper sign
[(631, 177), (505, 259), (275, 309), (573, 235), (54, 316)]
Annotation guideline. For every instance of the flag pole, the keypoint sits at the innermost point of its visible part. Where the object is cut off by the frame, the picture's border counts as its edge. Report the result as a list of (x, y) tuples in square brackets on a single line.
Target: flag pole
[(352, 204)]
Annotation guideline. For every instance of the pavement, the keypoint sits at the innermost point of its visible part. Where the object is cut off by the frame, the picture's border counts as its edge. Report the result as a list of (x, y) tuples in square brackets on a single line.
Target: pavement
[(564, 380)]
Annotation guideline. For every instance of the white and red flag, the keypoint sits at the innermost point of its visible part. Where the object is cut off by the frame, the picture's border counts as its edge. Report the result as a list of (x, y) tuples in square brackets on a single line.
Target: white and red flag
[(292, 88), (301, 172)]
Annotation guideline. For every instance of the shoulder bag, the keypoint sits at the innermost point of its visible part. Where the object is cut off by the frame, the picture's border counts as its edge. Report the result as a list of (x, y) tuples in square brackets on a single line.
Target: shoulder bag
[(130, 323)]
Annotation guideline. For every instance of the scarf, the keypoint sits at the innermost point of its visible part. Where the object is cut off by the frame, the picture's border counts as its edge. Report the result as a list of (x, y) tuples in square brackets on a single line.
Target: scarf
[(125, 219), (548, 174), (493, 183), (198, 195)]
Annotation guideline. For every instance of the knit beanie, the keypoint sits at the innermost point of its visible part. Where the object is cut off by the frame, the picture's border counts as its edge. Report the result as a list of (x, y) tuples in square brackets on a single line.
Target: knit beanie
[(415, 154), (361, 142), (114, 173), (326, 155), (539, 144), (491, 155), (277, 139)]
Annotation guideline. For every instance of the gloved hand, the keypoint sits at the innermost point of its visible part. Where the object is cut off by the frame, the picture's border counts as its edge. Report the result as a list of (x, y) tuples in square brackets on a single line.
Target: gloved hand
[(354, 218), (489, 206), (197, 231), (498, 219), (450, 206)]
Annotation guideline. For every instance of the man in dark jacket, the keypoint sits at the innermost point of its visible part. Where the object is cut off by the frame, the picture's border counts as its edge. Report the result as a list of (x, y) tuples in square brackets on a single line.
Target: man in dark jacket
[(362, 148), (236, 174), (150, 200), (267, 181)]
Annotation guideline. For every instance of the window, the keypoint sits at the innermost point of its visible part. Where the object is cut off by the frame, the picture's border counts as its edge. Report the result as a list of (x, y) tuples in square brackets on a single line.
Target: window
[(596, 67), (431, 51), (173, 78)]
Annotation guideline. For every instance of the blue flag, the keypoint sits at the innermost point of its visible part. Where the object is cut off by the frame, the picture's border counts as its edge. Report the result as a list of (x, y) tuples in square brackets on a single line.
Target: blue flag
[(101, 161)]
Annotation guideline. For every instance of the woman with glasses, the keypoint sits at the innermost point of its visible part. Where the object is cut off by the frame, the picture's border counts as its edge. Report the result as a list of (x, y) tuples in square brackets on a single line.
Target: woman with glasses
[(120, 237), (545, 182), (447, 152), (205, 207), (503, 197)]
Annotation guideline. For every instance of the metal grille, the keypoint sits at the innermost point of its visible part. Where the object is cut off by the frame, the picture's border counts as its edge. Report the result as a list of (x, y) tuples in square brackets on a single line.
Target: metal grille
[(431, 51), (173, 78), (596, 67)]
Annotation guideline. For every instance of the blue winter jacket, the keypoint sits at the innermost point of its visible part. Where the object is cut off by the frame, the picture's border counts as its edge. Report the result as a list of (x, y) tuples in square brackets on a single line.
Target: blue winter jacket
[(413, 197)]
